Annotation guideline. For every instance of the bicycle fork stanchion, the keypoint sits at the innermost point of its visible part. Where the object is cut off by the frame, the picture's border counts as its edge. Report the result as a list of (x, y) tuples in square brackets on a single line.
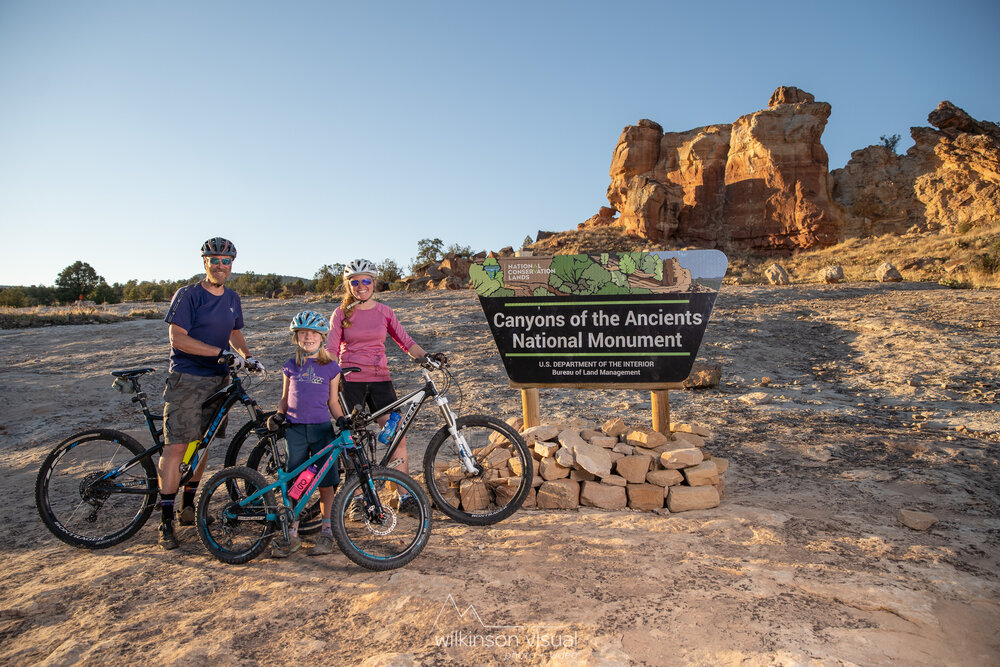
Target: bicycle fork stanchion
[(464, 452)]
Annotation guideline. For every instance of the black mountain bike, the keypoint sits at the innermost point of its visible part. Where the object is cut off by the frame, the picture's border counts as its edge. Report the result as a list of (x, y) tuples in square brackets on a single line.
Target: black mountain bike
[(477, 469), (98, 487)]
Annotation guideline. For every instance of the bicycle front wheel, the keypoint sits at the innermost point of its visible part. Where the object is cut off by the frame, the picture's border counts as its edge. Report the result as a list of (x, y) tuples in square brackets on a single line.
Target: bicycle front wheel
[(503, 471), (233, 530), (262, 460), (388, 541), (85, 499)]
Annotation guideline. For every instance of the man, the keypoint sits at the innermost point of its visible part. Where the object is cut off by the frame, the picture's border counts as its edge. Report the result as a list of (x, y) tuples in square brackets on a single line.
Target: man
[(204, 319)]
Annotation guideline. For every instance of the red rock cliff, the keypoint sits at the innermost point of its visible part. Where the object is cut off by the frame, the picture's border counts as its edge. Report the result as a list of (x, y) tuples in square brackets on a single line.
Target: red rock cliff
[(759, 183)]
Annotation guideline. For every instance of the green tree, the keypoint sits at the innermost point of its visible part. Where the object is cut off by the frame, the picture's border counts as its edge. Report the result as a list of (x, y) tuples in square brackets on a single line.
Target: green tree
[(77, 280), (13, 296), (104, 293), (459, 250), (890, 141), (428, 250), (389, 271), (328, 278)]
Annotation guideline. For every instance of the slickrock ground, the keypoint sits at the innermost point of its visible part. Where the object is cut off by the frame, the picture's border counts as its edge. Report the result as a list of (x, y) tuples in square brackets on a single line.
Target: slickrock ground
[(879, 398)]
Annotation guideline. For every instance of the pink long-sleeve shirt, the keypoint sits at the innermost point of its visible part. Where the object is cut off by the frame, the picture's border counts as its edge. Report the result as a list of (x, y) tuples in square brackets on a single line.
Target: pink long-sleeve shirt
[(363, 343)]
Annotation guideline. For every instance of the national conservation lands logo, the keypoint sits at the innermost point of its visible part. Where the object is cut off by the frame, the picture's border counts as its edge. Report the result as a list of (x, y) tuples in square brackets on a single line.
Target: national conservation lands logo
[(463, 628), (634, 317)]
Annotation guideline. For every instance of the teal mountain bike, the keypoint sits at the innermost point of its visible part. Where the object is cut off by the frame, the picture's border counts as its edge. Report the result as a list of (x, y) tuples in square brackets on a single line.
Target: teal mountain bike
[(381, 518)]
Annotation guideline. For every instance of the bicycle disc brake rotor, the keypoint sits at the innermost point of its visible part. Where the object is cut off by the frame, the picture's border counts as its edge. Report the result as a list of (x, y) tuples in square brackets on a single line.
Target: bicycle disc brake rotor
[(384, 528)]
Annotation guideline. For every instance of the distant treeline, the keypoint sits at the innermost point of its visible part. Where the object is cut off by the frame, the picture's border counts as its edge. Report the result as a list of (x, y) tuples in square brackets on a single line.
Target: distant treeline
[(79, 282)]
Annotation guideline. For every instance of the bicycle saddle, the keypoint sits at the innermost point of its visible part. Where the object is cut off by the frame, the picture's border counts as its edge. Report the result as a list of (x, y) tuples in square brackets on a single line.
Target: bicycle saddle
[(131, 372)]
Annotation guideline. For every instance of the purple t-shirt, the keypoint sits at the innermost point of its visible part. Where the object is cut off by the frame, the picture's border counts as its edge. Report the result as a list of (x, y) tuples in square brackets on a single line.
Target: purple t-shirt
[(208, 318), (309, 390)]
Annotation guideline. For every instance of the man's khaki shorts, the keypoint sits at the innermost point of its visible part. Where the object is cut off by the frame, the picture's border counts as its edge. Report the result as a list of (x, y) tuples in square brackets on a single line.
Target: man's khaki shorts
[(184, 417)]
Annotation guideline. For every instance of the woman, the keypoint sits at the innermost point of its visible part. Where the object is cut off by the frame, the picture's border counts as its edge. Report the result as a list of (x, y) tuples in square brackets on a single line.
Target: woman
[(358, 328)]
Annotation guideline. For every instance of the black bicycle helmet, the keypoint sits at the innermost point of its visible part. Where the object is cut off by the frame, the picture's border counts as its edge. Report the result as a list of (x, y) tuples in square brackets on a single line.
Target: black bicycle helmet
[(218, 246)]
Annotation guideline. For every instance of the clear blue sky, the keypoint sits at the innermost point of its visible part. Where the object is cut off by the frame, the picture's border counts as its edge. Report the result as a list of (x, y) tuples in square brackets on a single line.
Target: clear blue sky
[(316, 132)]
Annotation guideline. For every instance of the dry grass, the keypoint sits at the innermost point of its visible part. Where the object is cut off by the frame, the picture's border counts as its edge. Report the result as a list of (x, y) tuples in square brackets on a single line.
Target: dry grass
[(970, 258), (967, 259), (47, 316)]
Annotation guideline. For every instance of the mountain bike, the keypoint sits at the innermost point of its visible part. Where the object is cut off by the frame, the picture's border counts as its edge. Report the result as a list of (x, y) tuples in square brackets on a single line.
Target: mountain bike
[(239, 512), (477, 469), (98, 487)]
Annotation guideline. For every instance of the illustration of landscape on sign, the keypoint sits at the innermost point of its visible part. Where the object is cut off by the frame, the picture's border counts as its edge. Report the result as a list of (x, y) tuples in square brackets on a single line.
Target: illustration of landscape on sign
[(602, 274)]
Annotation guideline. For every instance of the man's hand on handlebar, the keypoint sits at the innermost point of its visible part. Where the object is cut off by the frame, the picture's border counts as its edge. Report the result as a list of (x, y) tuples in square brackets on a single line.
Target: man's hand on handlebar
[(234, 361)]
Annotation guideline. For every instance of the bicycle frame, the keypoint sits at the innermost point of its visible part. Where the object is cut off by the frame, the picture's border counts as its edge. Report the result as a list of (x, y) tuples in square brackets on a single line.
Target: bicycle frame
[(332, 451), (230, 394), (414, 400)]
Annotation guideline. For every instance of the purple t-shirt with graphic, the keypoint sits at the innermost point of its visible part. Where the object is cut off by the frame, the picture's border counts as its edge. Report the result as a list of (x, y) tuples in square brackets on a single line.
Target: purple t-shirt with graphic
[(208, 318), (309, 390)]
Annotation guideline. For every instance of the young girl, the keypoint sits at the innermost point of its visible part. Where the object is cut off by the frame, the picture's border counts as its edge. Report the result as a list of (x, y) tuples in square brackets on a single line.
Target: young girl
[(357, 338), (308, 398)]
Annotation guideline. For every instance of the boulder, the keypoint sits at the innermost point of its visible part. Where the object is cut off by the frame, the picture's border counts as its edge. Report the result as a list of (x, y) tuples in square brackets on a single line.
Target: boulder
[(686, 498), (607, 442), (681, 458), (681, 427), (542, 433), (549, 469), (703, 474), (633, 468), (565, 457), (614, 427), (687, 439), (605, 496), (645, 496), (664, 477), (570, 439), (831, 274), (558, 494), (776, 275), (615, 480), (887, 273), (643, 436), (703, 376), (915, 519), (593, 459), (546, 449)]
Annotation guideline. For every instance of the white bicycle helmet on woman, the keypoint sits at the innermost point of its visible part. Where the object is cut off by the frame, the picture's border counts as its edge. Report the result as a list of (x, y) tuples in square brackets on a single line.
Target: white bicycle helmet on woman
[(360, 267)]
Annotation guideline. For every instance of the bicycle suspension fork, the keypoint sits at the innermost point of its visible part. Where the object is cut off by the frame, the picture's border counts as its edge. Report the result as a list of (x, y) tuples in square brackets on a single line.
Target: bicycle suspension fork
[(464, 450)]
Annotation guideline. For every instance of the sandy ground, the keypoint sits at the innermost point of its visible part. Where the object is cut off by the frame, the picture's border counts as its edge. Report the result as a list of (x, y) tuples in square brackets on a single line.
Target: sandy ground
[(880, 397)]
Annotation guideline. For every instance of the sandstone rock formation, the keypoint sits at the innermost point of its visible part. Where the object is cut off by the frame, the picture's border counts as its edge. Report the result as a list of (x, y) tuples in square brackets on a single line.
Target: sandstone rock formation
[(950, 177), (760, 183)]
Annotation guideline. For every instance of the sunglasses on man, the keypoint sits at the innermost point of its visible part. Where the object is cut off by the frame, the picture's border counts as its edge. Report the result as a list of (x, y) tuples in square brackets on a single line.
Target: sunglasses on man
[(225, 261), (363, 281)]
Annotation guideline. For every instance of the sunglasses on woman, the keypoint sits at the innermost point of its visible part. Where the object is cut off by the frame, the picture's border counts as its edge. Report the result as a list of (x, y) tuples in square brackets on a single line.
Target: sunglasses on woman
[(226, 261), (363, 281)]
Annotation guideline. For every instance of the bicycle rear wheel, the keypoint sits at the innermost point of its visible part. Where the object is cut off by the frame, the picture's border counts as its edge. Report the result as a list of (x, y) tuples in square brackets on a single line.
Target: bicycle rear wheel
[(81, 503), (502, 480), (262, 460), (389, 541), (231, 532)]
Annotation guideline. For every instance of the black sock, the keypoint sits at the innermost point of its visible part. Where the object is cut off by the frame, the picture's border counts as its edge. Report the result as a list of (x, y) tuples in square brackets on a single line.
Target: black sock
[(167, 507), (190, 489)]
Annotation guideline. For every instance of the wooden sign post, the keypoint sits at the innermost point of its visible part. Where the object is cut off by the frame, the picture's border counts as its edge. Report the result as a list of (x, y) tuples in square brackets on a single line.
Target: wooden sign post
[(659, 395)]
